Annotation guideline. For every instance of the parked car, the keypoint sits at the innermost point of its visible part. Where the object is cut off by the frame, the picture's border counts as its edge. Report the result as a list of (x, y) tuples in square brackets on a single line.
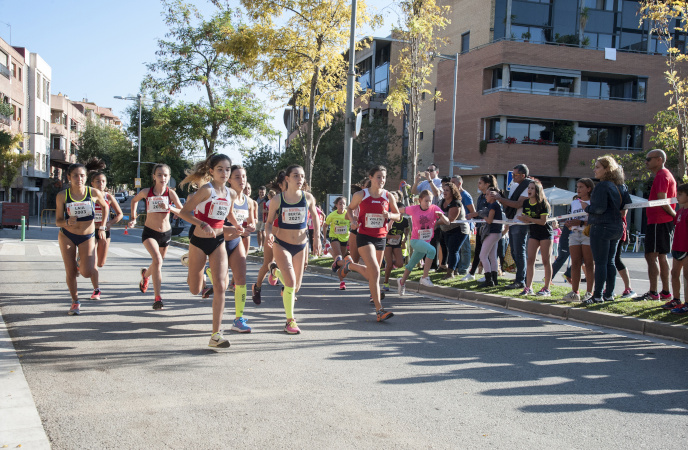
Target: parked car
[(120, 196)]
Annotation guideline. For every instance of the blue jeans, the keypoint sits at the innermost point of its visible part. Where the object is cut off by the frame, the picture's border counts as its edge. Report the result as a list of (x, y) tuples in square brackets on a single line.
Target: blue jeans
[(518, 239), (603, 242), (563, 251), (465, 256), (455, 239)]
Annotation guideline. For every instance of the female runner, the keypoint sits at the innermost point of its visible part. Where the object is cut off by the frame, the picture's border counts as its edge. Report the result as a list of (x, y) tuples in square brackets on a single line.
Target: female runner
[(157, 230), (75, 214), (99, 181), (208, 209), (397, 237), (376, 208), (278, 185), (291, 208), (339, 231)]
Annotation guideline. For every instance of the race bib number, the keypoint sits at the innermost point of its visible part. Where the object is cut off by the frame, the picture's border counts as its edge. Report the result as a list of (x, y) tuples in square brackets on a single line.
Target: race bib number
[(219, 209), (340, 229), (394, 240), (425, 235), (158, 204), (80, 209), (99, 215), (241, 215), (374, 221), (293, 216)]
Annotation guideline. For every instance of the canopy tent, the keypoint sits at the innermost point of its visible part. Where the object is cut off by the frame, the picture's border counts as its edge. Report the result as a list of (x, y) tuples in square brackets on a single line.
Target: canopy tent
[(556, 196)]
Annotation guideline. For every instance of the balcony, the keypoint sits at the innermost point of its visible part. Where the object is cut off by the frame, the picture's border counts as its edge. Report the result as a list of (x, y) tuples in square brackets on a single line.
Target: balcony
[(4, 71), (6, 120), (61, 156)]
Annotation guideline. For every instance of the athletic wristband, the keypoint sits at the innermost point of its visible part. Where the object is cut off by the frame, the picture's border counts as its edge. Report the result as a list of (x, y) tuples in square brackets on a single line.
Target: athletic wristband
[(102, 228)]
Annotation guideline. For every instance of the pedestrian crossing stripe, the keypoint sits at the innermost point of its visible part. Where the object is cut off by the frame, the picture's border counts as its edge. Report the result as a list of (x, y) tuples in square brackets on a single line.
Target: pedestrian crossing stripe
[(52, 249)]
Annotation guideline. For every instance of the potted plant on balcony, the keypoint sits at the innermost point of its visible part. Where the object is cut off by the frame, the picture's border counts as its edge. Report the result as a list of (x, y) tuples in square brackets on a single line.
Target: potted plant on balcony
[(526, 36), (510, 140)]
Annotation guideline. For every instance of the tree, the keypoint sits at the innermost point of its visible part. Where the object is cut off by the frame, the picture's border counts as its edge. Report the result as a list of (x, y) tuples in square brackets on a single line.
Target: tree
[(295, 46), (261, 164), (11, 160), (420, 20), (666, 17), (112, 146), (189, 59)]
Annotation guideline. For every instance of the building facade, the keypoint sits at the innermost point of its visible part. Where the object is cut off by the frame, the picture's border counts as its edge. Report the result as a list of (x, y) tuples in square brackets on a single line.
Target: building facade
[(66, 124), (12, 93)]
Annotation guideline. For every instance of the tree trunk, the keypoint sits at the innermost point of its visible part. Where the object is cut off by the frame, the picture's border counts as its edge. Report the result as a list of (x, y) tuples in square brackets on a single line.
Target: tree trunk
[(681, 153)]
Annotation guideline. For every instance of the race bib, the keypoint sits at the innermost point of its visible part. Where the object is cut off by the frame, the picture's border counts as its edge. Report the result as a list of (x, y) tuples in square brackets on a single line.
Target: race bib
[(425, 235), (340, 229), (394, 240), (374, 221), (293, 216), (241, 215), (80, 209), (219, 209), (158, 204), (99, 215)]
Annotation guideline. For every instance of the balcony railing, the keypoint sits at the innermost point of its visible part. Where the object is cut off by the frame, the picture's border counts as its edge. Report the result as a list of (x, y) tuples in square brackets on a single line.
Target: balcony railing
[(4, 71), (556, 92), (59, 155), (512, 140), (7, 120)]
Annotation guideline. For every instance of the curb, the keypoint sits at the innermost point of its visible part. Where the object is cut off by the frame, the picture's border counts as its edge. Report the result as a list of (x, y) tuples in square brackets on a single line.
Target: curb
[(668, 331)]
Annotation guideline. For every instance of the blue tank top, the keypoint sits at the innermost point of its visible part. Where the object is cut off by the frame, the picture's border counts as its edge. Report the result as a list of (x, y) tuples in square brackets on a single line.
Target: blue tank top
[(84, 209), (241, 211), (293, 216)]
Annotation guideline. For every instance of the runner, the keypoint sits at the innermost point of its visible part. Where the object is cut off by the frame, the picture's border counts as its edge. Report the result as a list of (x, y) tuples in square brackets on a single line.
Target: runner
[(157, 230), (376, 208), (423, 219), (311, 232), (262, 214), (99, 181), (339, 232), (290, 208), (75, 214), (279, 184), (208, 209), (246, 193), (397, 237)]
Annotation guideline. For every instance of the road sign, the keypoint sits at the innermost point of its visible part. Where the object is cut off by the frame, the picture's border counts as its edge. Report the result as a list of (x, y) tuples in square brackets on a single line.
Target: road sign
[(137, 182), (509, 178)]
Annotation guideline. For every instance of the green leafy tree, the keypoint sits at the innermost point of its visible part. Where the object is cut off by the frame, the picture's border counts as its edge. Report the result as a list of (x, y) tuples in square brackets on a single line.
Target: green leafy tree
[(295, 47), (11, 160), (187, 58), (420, 21), (261, 164), (112, 146)]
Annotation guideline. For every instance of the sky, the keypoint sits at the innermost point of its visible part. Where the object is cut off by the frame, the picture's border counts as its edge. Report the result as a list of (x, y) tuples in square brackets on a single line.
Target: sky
[(98, 49)]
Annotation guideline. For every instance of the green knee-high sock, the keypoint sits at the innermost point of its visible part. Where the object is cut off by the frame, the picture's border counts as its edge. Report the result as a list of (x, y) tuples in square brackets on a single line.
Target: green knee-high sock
[(240, 299), (288, 301), (278, 274)]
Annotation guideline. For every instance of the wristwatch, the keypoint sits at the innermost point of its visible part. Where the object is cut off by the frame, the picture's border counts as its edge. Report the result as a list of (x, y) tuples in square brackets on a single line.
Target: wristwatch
[(102, 228)]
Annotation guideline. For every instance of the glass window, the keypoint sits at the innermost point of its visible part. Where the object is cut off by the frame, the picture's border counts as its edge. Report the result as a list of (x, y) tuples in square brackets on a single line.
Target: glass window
[(543, 82), (517, 129), (499, 19), (521, 80), (465, 42), (518, 32), (632, 41), (604, 41), (496, 78), (629, 15), (538, 131), (529, 13), (495, 127), (642, 87)]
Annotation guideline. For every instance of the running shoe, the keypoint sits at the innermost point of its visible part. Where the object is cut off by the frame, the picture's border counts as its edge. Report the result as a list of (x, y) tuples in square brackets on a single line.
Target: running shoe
[(255, 294), (272, 279), (665, 295), (468, 277), (683, 309), (157, 304), (587, 296), (385, 287), (481, 280), (74, 310), (342, 286), (231, 287), (96, 294), (544, 292), (210, 274), (527, 291), (78, 260), (592, 301), (240, 325), (628, 293), (344, 270), (649, 295), (382, 297), (218, 341), (572, 296), (672, 304), (207, 292), (185, 259), (608, 298), (334, 267), (383, 315), (291, 327), (143, 284), (425, 281), (401, 288)]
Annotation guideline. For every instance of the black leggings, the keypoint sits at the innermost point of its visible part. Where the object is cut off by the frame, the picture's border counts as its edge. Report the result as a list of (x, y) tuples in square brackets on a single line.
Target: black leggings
[(617, 260), (476, 256)]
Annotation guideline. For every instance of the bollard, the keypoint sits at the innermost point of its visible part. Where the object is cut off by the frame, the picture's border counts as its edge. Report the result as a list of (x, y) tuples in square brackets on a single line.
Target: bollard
[(23, 228)]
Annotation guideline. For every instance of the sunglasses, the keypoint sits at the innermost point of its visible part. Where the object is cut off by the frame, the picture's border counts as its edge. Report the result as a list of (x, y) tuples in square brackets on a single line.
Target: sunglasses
[(431, 170), (649, 158)]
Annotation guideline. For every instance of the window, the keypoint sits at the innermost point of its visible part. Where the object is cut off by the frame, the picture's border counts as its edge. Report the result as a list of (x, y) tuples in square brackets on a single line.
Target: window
[(39, 85), (20, 74), (364, 70), (495, 127), (420, 136), (465, 42), (382, 70), (607, 5), (422, 95), (496, 78), (529, 131), (46, 91)]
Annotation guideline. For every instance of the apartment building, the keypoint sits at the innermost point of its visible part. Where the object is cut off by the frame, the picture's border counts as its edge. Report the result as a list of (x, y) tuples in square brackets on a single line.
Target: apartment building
[(66, 124), (101, 114), (12, 87)]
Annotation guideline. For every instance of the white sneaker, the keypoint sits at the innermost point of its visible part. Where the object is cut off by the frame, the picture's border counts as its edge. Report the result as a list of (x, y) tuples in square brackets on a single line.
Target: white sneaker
[(482, 280), (185, 259), (426, 282), (468, 277), (571, 297), (218, 341), (401, 288), (587, 296)]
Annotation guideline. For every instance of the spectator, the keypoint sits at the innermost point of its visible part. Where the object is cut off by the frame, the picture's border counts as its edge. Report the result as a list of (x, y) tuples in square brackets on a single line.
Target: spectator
[(518, 235), (492, 233), (679, 251), (579, 242), (485, 182), (536, 210), (454, 234), (555, 238), (660, 226), (468, 207), (620, 266), (430, 181), (606, 225)]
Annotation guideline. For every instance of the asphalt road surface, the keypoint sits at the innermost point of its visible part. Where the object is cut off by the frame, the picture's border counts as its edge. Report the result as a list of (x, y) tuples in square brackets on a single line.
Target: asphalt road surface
[(440, 374)]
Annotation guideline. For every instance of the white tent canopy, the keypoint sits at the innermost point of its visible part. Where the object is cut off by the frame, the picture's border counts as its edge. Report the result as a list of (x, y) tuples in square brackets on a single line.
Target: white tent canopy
[(557, 196)]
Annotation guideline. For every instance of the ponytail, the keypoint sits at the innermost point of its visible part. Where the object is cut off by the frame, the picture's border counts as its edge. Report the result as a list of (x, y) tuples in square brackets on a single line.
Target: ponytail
[(200, 174)]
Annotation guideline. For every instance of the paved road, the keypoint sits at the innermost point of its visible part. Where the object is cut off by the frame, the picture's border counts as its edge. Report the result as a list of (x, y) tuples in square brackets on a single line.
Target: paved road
[(440, 374)]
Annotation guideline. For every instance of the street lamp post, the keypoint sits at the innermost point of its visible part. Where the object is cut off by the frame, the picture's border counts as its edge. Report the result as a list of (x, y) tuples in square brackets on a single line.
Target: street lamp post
[(349, 114)]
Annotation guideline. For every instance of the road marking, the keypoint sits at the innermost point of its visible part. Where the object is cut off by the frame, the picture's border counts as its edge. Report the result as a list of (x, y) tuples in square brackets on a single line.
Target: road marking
[(12, 250), (48, 250), (126, 253)]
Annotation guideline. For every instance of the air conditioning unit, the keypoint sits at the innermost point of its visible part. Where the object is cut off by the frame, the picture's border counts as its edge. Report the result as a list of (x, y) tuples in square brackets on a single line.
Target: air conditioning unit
[(562, 90)]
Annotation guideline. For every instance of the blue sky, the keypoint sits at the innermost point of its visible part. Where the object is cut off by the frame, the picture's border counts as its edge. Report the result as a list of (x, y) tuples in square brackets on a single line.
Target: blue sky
[(99, 49)]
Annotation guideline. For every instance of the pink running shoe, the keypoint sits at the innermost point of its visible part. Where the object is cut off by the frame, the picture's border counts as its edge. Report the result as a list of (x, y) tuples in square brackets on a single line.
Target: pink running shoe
[(96, 294), (291, 327)]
